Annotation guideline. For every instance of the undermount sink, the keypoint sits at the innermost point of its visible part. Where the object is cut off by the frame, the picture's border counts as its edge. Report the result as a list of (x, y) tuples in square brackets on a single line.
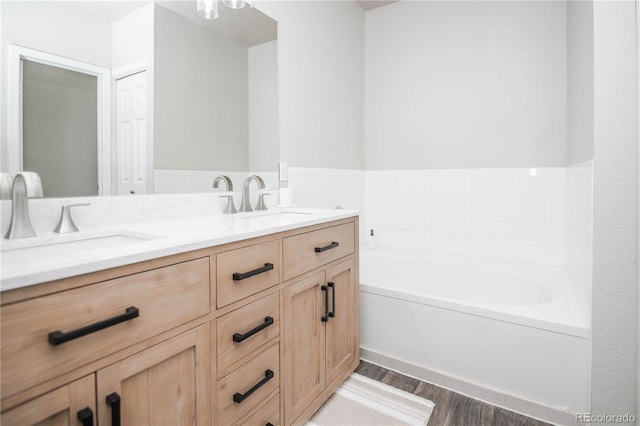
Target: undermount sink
[(67, 245)]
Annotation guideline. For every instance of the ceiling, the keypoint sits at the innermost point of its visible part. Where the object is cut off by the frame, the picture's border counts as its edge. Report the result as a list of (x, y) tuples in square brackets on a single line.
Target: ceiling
[(248, 25), (372, 4)]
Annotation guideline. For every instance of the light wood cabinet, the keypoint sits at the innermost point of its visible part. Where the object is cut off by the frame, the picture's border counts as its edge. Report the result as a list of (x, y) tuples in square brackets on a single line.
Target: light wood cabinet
[(310, 250), (246, 271), (341, 329), (73, 404), (166, 384), (303, 344), (245, 330), (320, 344), (30, 355), (230, 334), (249, 386)]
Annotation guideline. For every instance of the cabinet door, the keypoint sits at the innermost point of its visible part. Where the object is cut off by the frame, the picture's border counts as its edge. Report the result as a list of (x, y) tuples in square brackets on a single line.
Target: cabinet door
[(341, 334), (65, 406), (165, 384), (304, 343)]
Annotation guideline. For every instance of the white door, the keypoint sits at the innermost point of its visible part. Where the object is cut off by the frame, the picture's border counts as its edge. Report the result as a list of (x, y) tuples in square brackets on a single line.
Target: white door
[(131, 126)]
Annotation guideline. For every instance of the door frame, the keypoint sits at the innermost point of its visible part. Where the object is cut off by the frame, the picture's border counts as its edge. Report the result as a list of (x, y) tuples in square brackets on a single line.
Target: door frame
[(14, 108)]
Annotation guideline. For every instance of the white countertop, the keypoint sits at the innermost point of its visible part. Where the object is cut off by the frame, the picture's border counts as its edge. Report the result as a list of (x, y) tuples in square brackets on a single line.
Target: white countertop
[(152, 239)]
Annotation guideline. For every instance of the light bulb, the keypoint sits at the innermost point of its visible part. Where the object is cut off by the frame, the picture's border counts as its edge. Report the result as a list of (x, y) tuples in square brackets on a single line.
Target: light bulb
[(234, 4), (208, 9)]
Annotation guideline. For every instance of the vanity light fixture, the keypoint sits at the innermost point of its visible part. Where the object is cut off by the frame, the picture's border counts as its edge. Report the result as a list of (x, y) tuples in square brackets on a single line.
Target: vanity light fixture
[(234, 4), (208, 9)]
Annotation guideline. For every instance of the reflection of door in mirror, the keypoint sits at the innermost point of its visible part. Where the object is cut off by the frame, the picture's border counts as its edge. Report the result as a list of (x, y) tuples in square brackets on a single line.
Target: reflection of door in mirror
[(60, 128), (131, 140)]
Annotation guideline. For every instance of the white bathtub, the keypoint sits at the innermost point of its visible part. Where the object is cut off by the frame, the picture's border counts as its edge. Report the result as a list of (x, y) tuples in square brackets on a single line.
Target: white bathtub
[(505, 332)]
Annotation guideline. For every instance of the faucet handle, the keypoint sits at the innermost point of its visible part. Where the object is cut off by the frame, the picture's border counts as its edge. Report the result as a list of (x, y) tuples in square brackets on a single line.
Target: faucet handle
[(231, 207), (66, 224), (261, 204)]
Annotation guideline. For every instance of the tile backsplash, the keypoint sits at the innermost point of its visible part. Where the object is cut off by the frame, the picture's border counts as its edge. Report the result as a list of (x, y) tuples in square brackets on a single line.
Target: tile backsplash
[(505, 213), (579, 233), (328, 188), (537, 214)]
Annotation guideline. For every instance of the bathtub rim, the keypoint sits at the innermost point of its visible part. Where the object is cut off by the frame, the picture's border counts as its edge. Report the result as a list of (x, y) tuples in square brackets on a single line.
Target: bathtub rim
[(577, 325), (476, 310)]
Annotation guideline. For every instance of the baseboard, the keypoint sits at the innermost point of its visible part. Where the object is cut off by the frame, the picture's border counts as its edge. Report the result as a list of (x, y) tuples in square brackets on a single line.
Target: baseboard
[(473, 390)]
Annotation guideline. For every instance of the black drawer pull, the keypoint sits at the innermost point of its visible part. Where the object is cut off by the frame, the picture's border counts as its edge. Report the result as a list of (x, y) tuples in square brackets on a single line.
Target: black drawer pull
[(325, 318), (239, 397), (332, 286), (269, 424), (113, 401), (237, 337), (85, 416), (237, 276), (58, 337), (325, 248)]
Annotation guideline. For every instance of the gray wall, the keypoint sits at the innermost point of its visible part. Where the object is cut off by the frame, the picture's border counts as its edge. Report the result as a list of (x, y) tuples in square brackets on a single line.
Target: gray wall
[(465, 84), (614, 327), (60, 129), (579, 81), (320, 67), (263, 107), (201, 98)]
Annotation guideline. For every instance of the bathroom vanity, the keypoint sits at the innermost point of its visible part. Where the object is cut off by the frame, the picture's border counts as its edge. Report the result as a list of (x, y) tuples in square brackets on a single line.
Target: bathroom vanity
[(258, 325)]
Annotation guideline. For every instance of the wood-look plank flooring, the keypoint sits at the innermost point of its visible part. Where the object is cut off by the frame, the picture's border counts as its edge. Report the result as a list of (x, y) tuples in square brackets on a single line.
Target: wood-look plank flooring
[(451, 408)]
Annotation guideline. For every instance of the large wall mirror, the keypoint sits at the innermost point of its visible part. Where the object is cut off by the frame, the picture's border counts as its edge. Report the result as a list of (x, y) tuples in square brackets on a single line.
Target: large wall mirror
[(135, 97)]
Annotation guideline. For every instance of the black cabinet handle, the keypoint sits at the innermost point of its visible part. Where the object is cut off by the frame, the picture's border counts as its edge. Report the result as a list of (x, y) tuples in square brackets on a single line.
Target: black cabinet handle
[(113, 401), (325, 248), (269, 424), (237, 337), (85, 416), (332, 286), (238, 276), (58, 337), (239, 397), (325, 318)]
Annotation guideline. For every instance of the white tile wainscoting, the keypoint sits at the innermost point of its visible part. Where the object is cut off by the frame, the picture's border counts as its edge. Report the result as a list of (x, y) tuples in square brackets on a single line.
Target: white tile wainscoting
[(505, 213), (541, 215), (579, 233)]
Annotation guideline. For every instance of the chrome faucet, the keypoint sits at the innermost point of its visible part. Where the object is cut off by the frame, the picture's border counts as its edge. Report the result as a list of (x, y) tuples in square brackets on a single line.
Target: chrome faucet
[(25, 185), (246, 196), (231, 207)]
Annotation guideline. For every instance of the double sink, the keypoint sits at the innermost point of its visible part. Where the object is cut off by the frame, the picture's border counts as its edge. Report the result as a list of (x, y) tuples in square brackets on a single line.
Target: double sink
[(53, 246)]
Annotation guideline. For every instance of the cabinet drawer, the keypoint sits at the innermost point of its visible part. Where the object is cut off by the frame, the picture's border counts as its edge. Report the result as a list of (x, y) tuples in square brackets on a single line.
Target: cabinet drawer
[(254, 375), (245, 271), (304, 252), (246, 329), (164, 297), (268, 413)]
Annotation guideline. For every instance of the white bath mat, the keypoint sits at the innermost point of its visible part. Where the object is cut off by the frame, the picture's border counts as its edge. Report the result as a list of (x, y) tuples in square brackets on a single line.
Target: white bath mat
[(362, 401)]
